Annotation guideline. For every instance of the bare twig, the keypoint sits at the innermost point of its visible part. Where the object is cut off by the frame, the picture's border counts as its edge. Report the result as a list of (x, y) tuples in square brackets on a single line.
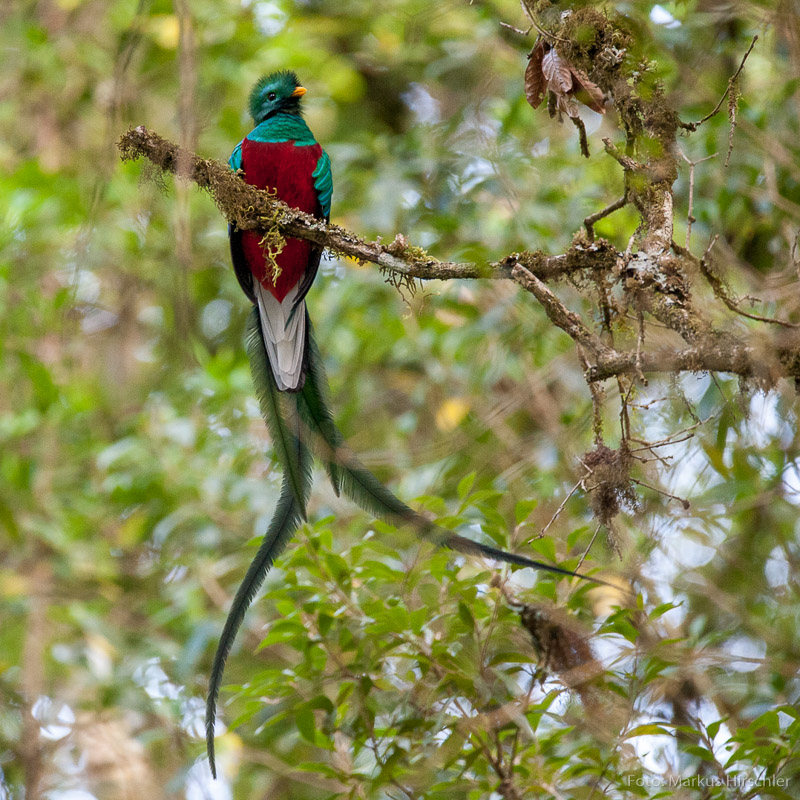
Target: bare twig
[(578, 123), (563, 505), (648, 446), (598, 399), (639, 346), (693, 126), (685, 503), (690, 220), (586, 552), (516, 30), (735, 358), (721, 291), (589, 222), (625, 161), (674, 438), (531, 15), (733, 107)]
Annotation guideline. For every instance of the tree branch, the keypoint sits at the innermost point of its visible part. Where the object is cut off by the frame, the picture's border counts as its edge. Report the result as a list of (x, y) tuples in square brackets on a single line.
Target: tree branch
[(654, 278), (249, 208), (560, 315), (590, 221), (737, 359)]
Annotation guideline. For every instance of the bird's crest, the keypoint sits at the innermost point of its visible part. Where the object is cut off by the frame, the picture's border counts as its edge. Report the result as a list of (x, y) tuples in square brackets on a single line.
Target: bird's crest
[(275, 92)]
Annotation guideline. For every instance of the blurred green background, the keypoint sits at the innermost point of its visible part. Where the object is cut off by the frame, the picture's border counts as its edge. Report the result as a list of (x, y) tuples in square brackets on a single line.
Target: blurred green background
[(135, 470)]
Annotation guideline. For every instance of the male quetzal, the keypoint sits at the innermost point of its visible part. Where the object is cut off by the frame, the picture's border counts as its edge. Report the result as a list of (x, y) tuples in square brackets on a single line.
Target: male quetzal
[(281, 154)]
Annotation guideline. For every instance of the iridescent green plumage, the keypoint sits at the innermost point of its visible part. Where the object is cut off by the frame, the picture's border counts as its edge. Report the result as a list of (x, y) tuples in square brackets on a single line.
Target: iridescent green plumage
[(274, 91)]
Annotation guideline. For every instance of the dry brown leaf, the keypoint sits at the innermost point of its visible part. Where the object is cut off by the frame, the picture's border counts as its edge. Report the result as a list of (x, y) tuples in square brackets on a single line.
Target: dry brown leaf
[(547, 71), (535, 83), (590, 94), (557, 73)]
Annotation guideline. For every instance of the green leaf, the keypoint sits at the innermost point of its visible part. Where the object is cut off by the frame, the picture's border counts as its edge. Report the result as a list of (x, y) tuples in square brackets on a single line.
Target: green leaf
[(305, 722), (648, 730), (523, 509), (324, 622), (8, 521), (574, 536), (701, 752), (465, 484), (465, 615), (662, 609), (546, 547)]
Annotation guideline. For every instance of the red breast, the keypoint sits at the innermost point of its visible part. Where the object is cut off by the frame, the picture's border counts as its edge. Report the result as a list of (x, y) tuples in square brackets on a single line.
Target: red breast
[(286, 168)]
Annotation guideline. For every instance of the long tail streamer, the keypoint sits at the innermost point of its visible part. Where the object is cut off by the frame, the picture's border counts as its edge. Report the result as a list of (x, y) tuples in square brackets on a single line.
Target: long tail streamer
[(293, 419), (284, 426)]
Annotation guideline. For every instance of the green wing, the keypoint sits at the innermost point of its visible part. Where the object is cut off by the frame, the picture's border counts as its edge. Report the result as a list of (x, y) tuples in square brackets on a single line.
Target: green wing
[(235, 161), (323, 183)]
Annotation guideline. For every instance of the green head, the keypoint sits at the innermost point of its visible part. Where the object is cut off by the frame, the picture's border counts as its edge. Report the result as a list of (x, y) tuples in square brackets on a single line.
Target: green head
[(278, 92)]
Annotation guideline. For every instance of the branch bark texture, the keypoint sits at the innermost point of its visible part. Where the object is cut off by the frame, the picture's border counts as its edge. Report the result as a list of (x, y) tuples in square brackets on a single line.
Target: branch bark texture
[(249, 208)]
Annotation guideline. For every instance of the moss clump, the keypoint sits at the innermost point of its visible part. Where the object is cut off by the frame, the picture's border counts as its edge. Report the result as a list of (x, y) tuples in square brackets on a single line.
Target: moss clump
[(419, 254), (530, 259), (596, 255), (604, 48), (561, 646), (400, 247), (272, 240), (609, 482), (594, 44)]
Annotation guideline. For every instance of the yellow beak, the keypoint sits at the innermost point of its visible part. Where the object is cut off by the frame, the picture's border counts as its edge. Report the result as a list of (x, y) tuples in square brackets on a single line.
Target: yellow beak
[(298, 92)]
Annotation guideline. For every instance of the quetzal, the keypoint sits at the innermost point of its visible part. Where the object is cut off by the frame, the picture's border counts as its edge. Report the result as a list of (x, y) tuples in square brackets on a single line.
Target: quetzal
[(280, 154)]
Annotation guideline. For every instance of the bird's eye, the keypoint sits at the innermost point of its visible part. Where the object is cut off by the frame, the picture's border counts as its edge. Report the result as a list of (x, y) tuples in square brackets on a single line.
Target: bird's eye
[(271, 96)]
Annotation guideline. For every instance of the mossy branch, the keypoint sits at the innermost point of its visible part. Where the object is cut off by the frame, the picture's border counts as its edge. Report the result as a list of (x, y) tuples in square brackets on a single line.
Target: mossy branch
[(654, 278), (250, 208)]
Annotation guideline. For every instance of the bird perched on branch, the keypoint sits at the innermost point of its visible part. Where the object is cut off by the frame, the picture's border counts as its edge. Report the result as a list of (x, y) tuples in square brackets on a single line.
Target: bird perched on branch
[(280, 154)]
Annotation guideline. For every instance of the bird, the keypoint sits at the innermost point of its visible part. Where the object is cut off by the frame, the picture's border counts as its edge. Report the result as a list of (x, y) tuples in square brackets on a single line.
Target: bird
[(281, 155)]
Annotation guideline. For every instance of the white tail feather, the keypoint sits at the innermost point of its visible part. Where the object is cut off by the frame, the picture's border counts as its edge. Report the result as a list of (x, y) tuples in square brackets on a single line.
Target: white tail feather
[(285, 338)]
